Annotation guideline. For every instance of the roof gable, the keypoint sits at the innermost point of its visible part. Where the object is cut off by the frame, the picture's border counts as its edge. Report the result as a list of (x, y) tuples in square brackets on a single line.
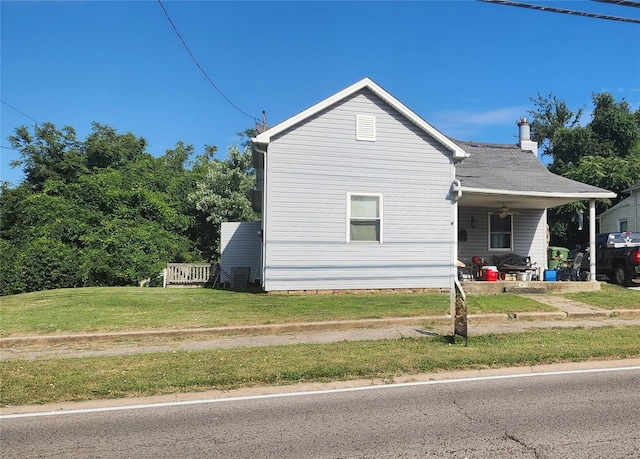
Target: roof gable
[(628, 201), (266, 136)]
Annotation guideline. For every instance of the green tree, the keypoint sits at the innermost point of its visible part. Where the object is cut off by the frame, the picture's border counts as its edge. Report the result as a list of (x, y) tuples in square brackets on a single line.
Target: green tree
[(48, 153), (124, 252), (224, 193), (106, 148), (12, 279), (97, 212), (604, 152), (551, 114)]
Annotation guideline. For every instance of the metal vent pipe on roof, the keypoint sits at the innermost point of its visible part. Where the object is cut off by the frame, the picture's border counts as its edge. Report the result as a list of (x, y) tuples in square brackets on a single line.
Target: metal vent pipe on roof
[(525, 130)]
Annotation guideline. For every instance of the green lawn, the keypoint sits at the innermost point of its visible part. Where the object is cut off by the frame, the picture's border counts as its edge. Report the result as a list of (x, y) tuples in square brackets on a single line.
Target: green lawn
[(610, 297), (46, 380), (129, 308), (504, 303)]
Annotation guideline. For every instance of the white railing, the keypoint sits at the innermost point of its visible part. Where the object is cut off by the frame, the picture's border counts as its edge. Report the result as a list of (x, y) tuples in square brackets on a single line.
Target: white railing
[(188, 274)]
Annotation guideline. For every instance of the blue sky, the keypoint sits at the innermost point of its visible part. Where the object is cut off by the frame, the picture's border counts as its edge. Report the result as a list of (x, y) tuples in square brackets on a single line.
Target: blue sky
[(468, 68)]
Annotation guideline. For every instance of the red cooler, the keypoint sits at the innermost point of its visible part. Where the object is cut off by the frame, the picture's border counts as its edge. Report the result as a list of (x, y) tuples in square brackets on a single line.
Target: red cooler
[(490, 273)]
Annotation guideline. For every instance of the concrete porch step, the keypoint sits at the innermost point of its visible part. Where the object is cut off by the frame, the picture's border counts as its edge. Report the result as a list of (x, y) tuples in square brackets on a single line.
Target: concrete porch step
[(539, 287), (521, 290)]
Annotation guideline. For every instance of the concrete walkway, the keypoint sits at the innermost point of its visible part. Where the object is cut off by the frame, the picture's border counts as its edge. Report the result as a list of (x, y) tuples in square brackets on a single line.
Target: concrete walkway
[(573, 309), (570, 314)]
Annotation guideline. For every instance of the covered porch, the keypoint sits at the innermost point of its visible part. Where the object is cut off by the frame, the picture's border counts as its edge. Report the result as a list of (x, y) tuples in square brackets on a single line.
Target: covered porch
[(511, 234), (501, 195)]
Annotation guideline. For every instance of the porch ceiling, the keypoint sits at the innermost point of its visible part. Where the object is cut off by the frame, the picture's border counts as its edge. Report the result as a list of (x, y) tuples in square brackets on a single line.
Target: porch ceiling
[(517, 201)]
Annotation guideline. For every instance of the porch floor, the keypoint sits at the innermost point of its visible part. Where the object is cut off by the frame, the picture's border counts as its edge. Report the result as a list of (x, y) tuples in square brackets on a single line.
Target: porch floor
[(493, 288)]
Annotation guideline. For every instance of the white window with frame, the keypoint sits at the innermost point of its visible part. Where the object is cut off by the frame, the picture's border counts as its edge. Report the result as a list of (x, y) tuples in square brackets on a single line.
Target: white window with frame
[(623, 225), (364, 217), (500, 232)]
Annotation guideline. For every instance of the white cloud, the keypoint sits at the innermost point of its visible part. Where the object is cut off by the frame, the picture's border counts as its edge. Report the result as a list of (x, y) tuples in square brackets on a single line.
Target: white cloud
[(466, 124)]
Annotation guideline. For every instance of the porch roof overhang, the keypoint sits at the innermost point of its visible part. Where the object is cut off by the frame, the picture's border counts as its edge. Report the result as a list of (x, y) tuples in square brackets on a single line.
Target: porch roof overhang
[(494, 198), (498, 175)]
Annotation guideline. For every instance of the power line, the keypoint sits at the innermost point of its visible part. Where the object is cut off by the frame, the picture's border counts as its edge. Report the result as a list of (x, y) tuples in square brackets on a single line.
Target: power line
[(620, 3), (567, 11), (19, 111), (175, 29)]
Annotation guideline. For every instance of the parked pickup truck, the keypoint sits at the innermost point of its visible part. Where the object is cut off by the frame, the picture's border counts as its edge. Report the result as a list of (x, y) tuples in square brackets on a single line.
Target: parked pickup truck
[(618, 256)]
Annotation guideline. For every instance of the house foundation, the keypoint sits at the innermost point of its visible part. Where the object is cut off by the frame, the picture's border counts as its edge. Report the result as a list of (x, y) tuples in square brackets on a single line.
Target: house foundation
[(470, 288)]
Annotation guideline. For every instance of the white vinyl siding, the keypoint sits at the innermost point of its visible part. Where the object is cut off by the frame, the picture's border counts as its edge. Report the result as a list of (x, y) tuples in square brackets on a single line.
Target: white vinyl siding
[(240, 246), (313, 166), (628, 209), (529, 234)]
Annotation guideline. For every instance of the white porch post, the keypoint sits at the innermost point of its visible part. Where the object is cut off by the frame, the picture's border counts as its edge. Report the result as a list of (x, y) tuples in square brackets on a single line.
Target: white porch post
[(592, 240)]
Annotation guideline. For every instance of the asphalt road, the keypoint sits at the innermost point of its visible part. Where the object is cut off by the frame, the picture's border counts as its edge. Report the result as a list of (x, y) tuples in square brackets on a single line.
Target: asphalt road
[(593, 413)]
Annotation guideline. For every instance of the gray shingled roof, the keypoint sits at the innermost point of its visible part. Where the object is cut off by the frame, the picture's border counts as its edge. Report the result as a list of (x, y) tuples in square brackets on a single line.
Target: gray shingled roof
[(507, 167)]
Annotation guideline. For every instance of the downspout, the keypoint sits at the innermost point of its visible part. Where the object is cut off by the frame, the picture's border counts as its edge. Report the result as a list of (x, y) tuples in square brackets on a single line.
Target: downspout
[(263, 213), (458, 189), (592, 240)]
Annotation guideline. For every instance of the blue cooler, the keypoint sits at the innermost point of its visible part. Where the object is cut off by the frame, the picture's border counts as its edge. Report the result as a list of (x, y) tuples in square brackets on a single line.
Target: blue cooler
[(549, 275)]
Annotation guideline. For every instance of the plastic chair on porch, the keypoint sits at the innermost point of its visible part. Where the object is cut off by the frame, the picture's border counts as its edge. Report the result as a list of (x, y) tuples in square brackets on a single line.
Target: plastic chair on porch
[(570, 271)]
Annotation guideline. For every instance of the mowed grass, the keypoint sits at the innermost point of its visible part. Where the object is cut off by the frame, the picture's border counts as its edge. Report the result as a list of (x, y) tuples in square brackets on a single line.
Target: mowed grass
[(504, 303), (129, 308), (610, 297), (75, 379)]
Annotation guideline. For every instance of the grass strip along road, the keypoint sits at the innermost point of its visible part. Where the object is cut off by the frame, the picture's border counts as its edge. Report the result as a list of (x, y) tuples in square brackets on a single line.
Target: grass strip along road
[(74, 379)]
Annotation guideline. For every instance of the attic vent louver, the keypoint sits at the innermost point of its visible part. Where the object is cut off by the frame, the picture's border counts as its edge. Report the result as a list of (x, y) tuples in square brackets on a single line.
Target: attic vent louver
[(366, 128)]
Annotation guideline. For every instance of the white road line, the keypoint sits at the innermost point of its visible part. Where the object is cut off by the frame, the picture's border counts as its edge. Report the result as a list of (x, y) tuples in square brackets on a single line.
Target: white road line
[(313, 392)]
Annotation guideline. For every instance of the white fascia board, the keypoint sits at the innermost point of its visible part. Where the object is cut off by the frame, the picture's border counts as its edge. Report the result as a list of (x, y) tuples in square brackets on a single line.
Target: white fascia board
[(541, 194), (458, 153), (265, 137)]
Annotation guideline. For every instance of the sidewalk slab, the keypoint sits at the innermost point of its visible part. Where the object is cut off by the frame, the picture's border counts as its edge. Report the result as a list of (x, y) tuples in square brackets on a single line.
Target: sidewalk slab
[(588, 314), (217, 332), (193, 343), (567, 305), (541, 315), (626, 313)]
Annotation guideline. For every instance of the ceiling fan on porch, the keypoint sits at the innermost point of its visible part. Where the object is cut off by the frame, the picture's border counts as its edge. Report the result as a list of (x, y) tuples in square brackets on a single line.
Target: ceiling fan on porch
[(503, 211)]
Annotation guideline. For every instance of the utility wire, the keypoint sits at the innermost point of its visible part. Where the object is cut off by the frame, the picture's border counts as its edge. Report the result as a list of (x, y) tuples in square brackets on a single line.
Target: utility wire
[(175, 29), (19, 111), (566, 11), (620, 3)]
